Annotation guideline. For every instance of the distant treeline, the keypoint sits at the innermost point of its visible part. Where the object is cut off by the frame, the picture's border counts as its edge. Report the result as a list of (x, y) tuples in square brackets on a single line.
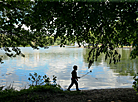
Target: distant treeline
[(45, 41)]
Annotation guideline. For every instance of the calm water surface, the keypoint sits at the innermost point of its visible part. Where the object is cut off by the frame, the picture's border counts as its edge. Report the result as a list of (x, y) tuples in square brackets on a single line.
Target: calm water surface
[(59, 61)]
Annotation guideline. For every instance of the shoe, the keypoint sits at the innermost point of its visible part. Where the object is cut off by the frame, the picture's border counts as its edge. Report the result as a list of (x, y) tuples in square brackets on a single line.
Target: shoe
[(68, 89), (78, 90)]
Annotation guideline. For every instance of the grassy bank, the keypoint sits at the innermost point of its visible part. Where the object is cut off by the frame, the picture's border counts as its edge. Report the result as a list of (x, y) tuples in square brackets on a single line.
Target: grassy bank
[(50, 93), (38, 93)]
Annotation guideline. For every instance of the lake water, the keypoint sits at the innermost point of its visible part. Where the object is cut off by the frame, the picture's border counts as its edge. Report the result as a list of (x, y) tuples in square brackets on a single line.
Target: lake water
[(59, 62)]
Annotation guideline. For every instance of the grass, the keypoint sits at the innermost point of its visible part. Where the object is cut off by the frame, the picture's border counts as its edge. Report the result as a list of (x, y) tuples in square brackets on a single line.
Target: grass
[(53, 93), (34, 93)]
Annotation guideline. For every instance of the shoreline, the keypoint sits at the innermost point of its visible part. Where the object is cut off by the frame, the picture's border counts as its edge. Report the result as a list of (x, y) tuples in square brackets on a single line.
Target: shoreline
[(107, 89), (91, 47), (54, 95)]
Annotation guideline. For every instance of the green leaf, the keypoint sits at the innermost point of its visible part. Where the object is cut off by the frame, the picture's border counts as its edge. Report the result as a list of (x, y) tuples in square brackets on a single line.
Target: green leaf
[(35, 74)]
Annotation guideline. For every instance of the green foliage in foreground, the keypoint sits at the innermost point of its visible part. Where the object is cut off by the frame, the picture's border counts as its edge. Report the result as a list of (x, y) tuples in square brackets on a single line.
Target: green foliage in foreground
[(111, 24), (34, 93), (30, 94)]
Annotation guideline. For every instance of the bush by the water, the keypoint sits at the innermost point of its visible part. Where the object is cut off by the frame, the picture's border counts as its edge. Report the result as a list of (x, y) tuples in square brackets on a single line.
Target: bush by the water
[(135, 83)]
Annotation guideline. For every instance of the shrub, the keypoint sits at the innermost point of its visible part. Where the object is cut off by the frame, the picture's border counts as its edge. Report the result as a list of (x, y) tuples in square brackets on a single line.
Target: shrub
[(135, 83), (39, 80)]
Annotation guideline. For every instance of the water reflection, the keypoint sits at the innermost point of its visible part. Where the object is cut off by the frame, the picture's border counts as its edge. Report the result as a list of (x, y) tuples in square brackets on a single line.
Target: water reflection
[(59, 61), (126, 66)]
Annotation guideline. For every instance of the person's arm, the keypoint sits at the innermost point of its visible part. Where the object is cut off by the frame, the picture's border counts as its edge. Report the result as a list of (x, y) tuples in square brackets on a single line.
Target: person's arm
[(76, 75)]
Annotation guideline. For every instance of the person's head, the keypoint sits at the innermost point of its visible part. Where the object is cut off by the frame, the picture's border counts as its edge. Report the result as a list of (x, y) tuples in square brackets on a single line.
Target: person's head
[(75, 67)]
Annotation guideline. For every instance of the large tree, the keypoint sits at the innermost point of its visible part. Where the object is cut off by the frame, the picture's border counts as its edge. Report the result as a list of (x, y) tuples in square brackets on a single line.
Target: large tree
[(108, 23)]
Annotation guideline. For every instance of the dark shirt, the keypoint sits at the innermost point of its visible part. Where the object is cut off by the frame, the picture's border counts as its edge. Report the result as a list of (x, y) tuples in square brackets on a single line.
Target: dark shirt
[(74, 74)]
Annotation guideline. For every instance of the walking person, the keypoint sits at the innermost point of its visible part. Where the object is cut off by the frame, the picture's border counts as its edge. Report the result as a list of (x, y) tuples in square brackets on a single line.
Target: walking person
[(74, 79)]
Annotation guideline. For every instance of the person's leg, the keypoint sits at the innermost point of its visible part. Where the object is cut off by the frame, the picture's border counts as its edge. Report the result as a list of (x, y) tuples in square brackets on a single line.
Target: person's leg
[(72, 82), (76, 83)]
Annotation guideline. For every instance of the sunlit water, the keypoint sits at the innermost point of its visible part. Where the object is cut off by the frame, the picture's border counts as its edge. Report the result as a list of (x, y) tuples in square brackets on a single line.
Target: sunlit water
[(59, 62)]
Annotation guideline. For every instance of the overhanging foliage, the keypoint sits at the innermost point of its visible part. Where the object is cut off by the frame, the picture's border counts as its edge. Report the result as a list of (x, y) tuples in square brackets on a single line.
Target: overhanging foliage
[(108, 23)]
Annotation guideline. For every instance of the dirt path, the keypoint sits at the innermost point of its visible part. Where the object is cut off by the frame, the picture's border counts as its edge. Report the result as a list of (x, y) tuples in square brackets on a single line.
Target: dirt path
[(99, 95)]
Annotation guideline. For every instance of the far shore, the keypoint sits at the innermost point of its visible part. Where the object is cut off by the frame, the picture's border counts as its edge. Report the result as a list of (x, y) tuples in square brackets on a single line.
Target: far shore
[(99, 46)]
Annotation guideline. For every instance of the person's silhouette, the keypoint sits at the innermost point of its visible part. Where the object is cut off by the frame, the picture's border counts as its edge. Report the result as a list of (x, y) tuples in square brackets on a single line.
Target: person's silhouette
[(74, 78)]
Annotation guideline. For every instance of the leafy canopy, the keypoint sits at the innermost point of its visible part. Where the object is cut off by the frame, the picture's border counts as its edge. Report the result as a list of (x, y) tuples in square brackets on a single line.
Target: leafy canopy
[(111, 24)]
